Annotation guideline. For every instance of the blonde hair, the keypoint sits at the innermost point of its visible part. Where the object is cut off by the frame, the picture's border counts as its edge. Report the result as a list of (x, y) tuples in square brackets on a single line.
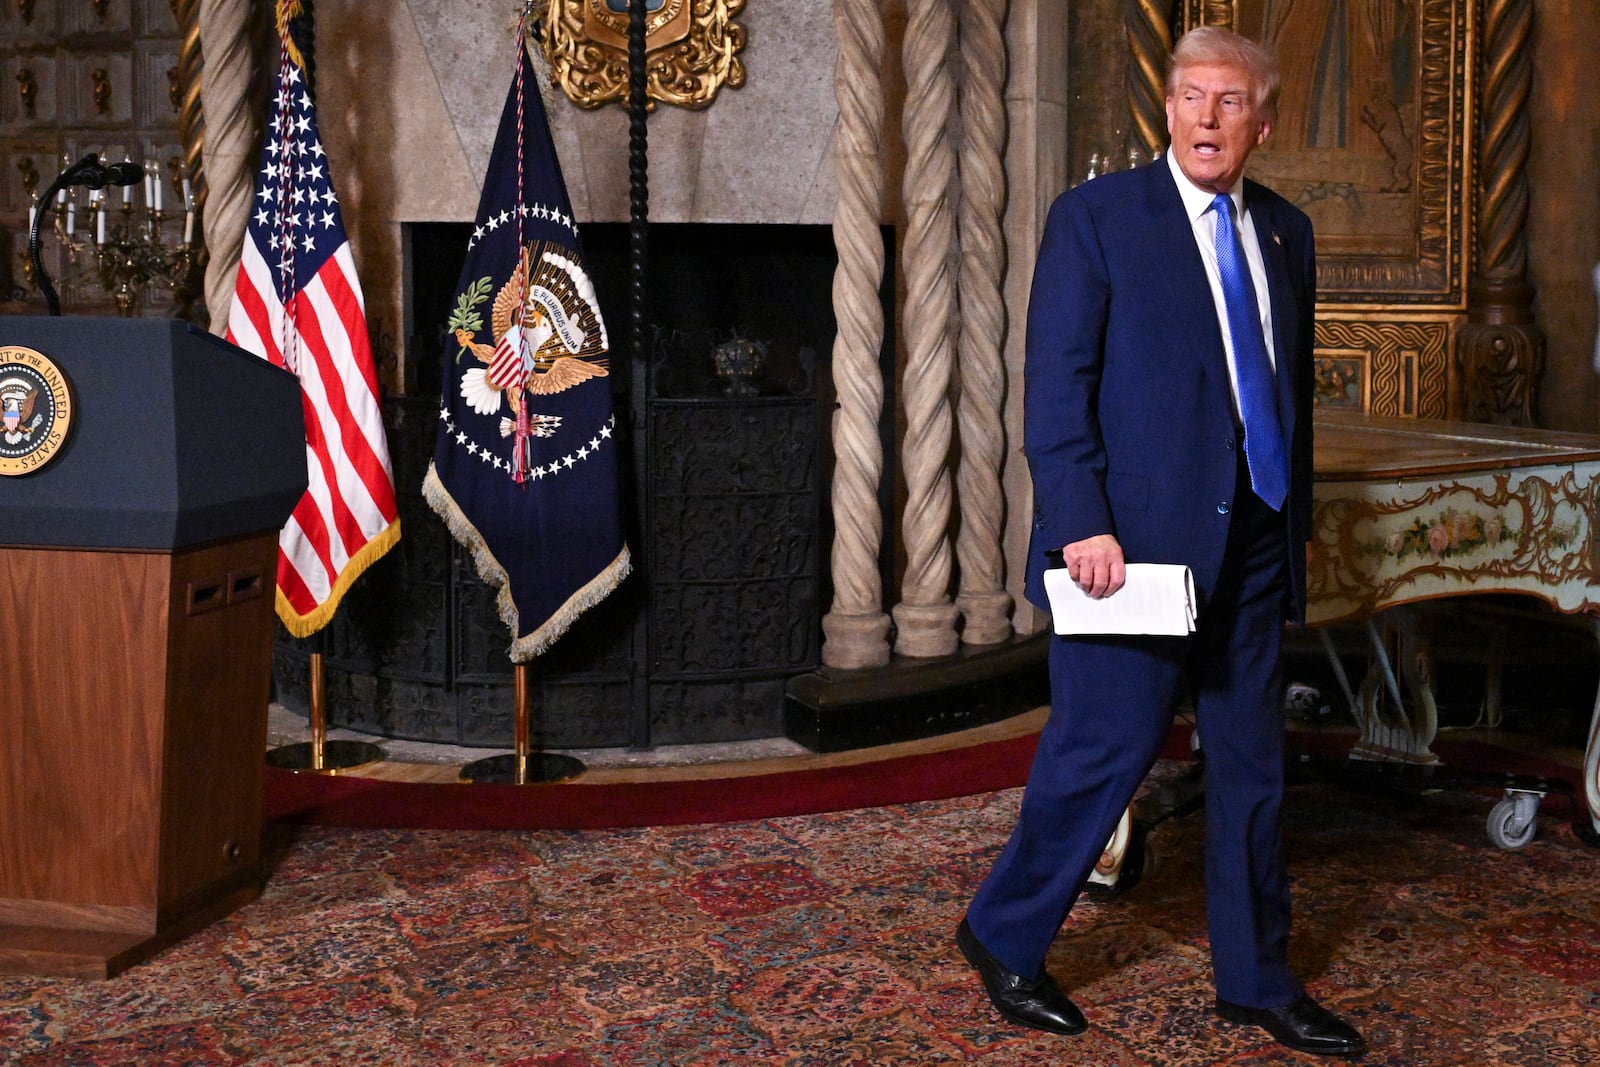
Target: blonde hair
[(1213, 44)]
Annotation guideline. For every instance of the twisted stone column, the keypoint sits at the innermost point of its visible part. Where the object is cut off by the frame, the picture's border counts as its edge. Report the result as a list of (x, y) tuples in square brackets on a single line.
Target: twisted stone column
[(856, 630), (1149, 45), (985, 605), (1500, 349), (925, 618), (191, 134), (230, 141)]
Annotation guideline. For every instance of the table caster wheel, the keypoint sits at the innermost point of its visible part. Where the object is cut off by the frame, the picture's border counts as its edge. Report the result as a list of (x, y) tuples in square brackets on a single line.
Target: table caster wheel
[(1512, 822)]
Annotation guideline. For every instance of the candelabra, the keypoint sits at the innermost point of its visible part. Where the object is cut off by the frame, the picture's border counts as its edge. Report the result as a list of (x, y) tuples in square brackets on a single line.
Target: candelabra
[(127, 246), (1105, 163)]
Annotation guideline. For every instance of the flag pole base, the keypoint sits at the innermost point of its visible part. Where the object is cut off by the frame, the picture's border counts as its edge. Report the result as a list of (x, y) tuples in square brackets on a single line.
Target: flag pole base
[(537, 767), (319, 755), (336, 756), (522, 766)]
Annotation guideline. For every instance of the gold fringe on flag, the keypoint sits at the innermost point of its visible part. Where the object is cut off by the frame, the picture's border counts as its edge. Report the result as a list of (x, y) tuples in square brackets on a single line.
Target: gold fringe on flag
[(528, 646), (370, 553)]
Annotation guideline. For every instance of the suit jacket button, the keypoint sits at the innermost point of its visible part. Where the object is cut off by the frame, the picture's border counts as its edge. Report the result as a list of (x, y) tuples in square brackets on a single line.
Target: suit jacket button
[(1223, 508), (1227, 442)]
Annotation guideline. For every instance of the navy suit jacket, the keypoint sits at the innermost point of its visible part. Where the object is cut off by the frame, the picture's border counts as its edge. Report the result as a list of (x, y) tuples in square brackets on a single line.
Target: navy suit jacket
[(1128, 416)]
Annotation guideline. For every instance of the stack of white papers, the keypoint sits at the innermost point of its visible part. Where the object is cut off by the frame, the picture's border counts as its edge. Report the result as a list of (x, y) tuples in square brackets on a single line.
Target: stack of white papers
[(1156, 598)]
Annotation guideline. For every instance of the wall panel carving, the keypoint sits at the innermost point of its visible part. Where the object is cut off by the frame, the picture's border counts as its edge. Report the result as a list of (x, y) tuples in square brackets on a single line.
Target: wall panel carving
[(99, 82), (1387, 368)]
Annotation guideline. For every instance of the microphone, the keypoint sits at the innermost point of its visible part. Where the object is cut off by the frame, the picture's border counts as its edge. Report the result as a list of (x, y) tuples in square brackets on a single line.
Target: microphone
[(124, 173), (90, 173)]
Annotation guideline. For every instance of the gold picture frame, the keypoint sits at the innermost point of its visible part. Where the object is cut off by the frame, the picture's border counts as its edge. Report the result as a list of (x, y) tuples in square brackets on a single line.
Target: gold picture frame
[(1372, 139), (691, 50)]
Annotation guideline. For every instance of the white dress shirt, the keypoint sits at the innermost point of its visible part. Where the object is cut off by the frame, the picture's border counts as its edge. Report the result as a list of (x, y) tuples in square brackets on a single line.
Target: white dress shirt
[(1197, 202)]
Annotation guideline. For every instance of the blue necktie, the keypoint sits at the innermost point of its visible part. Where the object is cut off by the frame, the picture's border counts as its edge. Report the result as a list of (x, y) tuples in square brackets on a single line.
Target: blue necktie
[(1258, 396)]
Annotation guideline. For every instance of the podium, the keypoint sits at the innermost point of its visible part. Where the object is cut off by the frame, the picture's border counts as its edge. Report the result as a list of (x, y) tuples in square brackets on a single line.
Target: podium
[(137, 579)]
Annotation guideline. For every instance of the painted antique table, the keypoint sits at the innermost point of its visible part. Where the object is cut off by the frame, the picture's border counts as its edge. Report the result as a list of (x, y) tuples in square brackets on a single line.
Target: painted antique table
[(1407, 511)]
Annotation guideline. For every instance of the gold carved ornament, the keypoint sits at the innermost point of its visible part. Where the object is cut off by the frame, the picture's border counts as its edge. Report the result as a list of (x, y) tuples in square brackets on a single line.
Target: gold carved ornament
[(691, 50)]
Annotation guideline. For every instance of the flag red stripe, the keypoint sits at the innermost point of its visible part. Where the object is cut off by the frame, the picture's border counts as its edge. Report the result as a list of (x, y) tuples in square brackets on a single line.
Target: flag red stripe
[(373, 469), (292, 583), (312, 343), (252, 302), (505, 365), (350, 504)]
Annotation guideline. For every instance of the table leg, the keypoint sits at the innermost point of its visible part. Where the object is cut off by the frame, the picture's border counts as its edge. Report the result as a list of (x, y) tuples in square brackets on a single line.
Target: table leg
[(1591, 757), (1401, 730)]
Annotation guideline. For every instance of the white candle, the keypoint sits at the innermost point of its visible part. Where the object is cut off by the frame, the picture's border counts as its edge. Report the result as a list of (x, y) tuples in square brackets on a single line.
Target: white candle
[(61, 197), (148, 198), (33, 213), (127, 194), (100, 223), (188, 227), (72, 216), (188, 193), (157, 183)]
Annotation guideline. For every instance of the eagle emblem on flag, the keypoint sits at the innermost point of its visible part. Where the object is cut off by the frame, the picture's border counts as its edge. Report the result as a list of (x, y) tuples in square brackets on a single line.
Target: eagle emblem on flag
[(546, 335)]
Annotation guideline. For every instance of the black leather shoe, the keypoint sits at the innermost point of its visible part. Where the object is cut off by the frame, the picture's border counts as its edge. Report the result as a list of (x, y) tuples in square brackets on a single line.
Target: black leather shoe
[(1304, 1026), (1038, 1002)]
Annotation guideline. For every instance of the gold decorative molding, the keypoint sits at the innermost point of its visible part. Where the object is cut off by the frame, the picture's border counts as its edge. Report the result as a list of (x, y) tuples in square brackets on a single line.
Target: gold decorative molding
[(691, 50), (30, 176), (101, 79), (1501, 349), (1520, 530), (27, 90), (1500, 361), (1385, 368)]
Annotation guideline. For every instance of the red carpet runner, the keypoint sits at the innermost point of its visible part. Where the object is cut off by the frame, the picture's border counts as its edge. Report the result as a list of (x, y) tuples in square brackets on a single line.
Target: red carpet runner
[(366, 802)]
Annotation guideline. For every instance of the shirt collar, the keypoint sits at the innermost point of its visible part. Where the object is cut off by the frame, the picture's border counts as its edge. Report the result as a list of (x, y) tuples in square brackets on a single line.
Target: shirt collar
[(1196, 201)]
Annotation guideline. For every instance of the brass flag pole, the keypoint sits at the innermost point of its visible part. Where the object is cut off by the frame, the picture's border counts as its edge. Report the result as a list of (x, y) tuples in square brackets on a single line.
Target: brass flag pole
[(320, 755), (522, 767)]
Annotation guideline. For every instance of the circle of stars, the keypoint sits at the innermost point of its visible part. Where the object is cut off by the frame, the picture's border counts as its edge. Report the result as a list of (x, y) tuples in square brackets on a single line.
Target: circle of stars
[(548, 470), (536, 211)]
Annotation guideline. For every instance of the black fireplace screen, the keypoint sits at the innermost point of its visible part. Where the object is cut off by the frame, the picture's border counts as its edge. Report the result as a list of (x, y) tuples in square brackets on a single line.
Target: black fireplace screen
[(726, 429)]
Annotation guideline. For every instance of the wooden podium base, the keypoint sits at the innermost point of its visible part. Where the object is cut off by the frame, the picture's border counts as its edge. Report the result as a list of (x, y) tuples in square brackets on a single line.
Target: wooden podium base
[(89, 950), (130, 753)]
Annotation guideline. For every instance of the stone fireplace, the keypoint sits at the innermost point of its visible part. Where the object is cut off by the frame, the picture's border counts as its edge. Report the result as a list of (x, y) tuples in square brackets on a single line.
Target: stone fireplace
[(726, 517), (734, 492)]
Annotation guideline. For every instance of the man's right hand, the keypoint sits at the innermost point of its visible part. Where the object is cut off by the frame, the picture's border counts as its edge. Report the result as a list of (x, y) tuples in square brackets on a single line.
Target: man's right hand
[(1096, 564)]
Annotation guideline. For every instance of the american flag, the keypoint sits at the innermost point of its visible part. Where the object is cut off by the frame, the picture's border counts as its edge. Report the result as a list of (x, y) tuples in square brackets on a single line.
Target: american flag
[(298, 304)]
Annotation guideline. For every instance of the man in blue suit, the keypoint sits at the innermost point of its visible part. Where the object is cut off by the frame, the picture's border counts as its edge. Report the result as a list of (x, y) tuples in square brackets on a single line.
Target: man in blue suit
[(1168, 420)]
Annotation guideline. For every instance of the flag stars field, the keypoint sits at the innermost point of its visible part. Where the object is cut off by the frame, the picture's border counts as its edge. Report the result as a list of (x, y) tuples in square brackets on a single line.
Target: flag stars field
[(486, 454)]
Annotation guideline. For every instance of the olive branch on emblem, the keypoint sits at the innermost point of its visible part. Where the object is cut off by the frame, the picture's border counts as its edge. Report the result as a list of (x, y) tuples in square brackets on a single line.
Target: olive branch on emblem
[(465, 315)]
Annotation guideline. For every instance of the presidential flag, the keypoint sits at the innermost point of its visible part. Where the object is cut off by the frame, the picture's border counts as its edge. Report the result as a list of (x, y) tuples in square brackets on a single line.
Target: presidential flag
[(525, 468), (297, 303)]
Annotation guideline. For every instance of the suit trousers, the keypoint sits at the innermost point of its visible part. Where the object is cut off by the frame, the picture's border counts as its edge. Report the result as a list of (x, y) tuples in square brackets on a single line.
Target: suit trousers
[(1112, 706)]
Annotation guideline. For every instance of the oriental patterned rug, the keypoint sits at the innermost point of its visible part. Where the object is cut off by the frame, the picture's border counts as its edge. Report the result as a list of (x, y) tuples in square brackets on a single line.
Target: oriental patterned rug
[(826, 939)]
